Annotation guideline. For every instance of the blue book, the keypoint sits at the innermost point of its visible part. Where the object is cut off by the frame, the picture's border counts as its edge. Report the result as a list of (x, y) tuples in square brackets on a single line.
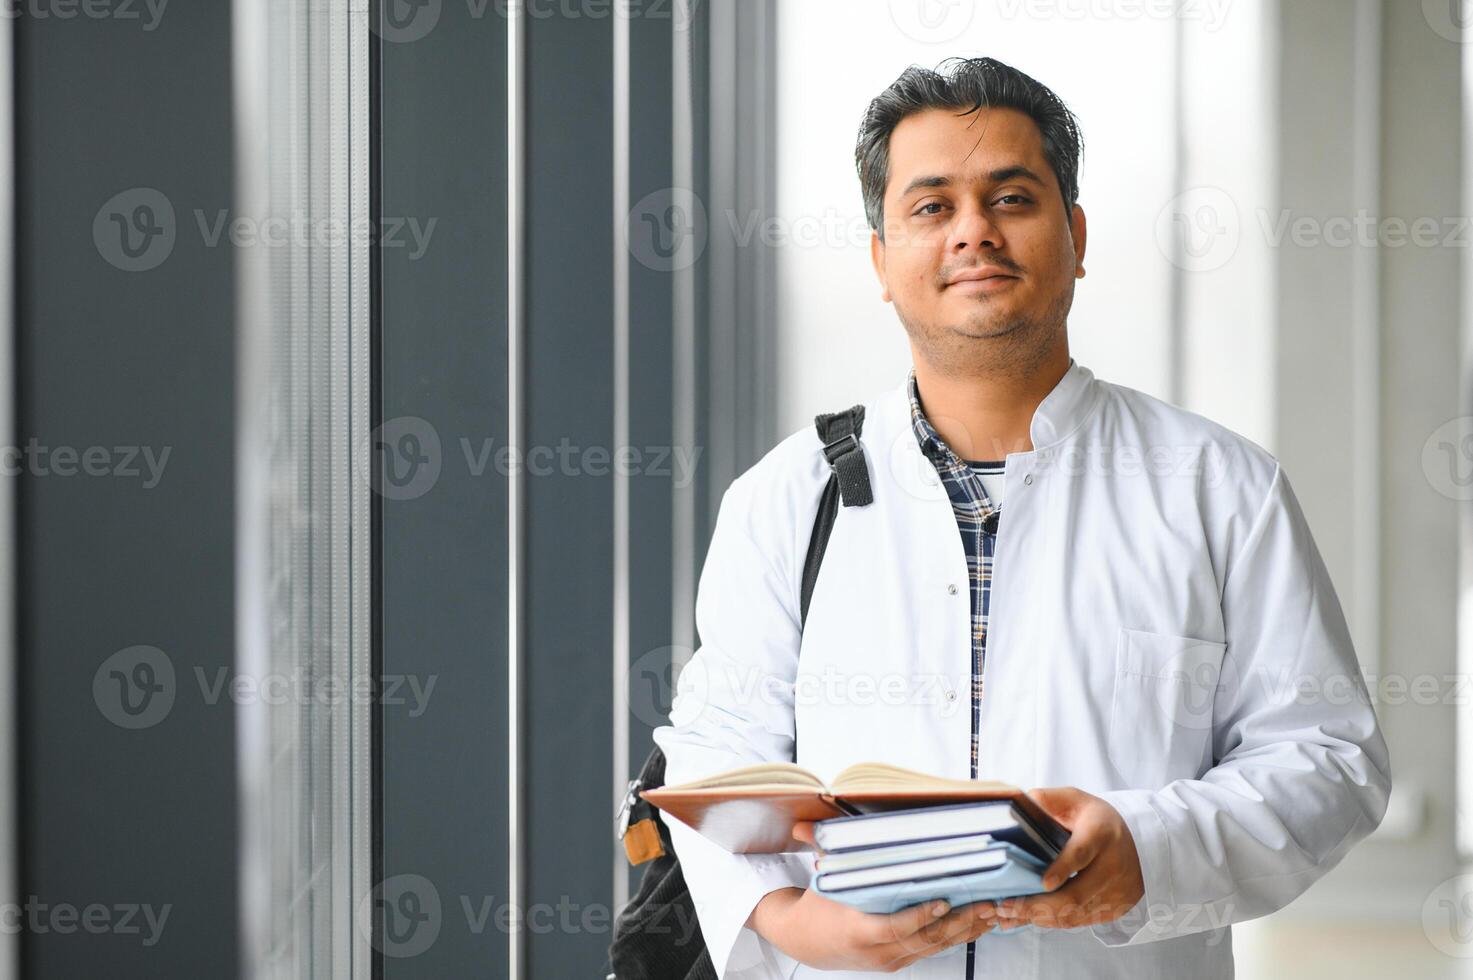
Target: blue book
[(999, 871), (1020, 821), (870, 857)]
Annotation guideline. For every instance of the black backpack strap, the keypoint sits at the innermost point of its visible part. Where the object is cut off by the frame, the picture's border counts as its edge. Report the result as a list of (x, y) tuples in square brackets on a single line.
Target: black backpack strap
[(828, 507), (839, 433)]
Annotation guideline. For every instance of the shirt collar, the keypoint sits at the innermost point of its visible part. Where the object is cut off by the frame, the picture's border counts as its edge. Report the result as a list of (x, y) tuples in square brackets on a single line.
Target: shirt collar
[(1061, 412), (930, 442)]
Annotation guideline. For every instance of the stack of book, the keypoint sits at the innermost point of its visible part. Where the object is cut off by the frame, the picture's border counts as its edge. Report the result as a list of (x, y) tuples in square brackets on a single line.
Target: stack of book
[(891, 837), (963, 853)]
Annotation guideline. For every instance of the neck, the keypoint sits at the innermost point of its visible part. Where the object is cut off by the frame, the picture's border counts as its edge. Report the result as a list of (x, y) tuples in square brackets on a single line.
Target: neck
[(987, 412)]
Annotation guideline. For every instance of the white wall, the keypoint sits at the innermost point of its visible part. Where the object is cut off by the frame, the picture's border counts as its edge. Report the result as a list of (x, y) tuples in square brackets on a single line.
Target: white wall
[(1116, 73)]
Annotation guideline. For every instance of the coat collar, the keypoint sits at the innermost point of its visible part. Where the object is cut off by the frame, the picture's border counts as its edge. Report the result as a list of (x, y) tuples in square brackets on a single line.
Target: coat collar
[(1061, 412), (892, 441)]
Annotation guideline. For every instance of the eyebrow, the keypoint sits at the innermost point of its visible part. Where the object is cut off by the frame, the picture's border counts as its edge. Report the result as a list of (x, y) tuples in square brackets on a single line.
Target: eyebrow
[(1016, 172)]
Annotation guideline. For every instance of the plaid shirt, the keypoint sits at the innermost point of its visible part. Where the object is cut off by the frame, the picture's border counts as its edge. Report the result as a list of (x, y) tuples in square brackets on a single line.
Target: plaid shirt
[(970, 503)]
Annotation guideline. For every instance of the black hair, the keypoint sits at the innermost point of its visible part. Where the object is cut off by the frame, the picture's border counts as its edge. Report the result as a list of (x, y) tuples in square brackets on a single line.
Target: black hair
[(964, 84)]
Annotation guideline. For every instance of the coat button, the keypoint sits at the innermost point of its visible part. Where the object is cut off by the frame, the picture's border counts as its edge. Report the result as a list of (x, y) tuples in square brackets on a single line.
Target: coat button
[(1028, 479), (951, 695), (951, 590)]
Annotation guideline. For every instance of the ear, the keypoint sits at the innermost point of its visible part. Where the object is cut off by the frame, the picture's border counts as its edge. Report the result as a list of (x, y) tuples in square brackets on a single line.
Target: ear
[(877, 256), (1077, 229)]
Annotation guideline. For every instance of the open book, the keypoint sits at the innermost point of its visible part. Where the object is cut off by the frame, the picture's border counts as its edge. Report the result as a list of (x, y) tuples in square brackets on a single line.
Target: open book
[(753, 809)]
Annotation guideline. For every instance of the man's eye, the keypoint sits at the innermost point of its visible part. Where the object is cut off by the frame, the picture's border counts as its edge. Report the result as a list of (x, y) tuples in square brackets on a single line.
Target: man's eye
[(933, 204), (1018, 198)]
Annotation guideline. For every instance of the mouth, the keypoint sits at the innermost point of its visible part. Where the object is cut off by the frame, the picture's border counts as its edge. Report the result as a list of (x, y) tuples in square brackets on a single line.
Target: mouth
[(990, 283)]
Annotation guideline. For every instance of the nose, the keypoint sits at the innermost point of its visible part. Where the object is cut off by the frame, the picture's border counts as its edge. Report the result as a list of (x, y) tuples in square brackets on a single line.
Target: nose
[(974, 228)]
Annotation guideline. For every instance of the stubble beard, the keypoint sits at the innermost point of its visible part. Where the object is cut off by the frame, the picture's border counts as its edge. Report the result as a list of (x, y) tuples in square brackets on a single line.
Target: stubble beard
[(1017, 345)]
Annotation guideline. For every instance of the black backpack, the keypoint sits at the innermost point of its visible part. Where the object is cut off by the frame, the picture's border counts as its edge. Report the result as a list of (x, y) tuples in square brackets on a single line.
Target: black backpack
[(647, 933)]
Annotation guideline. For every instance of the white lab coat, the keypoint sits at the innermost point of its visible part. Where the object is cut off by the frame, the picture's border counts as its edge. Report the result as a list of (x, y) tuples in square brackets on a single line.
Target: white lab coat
[(1163, 633)]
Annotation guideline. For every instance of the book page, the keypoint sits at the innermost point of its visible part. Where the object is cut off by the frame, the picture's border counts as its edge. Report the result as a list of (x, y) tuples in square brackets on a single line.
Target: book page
[(775, 774), (873, 777)]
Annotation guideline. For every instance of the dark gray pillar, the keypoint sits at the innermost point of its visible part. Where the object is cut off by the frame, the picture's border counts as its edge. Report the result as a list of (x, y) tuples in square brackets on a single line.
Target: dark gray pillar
[(569, 376), (443, 576), (125, 349)]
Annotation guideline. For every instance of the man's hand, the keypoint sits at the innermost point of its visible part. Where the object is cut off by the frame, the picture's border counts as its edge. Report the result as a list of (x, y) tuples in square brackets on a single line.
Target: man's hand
[(829, 935), (1100, 849)]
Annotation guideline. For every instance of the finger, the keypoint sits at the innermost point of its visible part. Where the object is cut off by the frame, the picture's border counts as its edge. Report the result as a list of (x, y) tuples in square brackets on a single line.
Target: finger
[(1072, 915), (1082, 848), (909, 959), (1055, 915), (958, 926), (935, 934), (1006, 925), (803, 831), (1079, 888), (1064, 908), (896, 926), (962, 922), (1089, 912), (980, 927), (1059, 802)]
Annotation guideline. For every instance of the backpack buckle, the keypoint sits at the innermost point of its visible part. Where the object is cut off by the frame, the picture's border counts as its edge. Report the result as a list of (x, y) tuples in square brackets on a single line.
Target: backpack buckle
[(849, 442), (621, 819)]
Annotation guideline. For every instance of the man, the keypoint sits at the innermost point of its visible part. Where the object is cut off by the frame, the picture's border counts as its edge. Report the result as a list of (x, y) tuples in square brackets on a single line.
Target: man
[(1137, 635)]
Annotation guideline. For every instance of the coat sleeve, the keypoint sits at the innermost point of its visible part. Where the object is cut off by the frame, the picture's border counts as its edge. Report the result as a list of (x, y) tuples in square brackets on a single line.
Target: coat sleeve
[(734, 707), (1302, 770)]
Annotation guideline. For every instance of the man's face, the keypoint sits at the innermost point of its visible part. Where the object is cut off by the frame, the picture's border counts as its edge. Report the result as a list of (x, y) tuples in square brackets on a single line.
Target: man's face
[(972, 196)]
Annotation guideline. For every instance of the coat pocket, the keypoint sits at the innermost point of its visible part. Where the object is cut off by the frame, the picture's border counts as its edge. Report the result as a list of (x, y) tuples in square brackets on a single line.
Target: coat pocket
[(1162, 711)]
